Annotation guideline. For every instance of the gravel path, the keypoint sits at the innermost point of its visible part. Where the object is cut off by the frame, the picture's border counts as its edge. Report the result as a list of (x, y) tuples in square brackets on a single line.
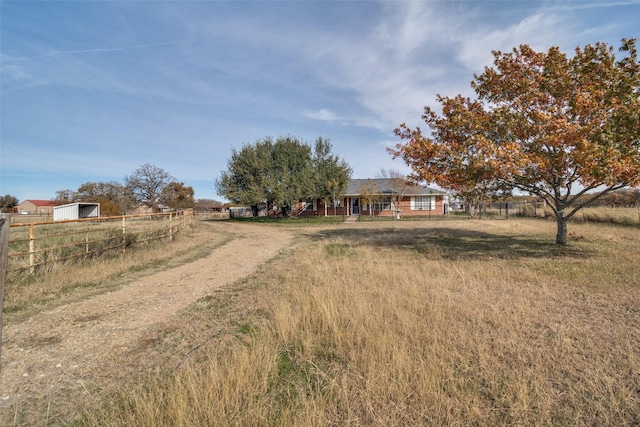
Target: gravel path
[(60, 352)]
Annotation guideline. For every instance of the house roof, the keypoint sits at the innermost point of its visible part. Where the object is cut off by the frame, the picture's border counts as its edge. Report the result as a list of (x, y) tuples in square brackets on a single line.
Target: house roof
[(386, 186), (42, 202)]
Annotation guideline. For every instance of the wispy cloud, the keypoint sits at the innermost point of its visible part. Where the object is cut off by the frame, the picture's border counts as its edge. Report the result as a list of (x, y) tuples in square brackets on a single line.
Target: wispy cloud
[(179, 84), (54, 52), (538, 31), (585, 5), (324, 114)]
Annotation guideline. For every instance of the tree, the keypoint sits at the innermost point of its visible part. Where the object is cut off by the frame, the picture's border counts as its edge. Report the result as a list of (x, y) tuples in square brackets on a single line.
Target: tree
[(290, 177), (399, 185), (450, 164), (65, 196), (146, 183), (208, 204), (276, 172), (244, 180), (114, 198), (176, 195), (369, 195), (546, 124), (331, 173), (7, 203)]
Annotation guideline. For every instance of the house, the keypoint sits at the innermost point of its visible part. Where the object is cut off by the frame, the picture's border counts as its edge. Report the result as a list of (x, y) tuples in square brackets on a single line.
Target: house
[(140, 210), (39, 207), (380, 197)]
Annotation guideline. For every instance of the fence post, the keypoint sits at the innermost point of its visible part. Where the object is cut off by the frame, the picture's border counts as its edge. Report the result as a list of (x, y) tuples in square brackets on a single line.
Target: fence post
[(5, 226), (32, 249), (124, 234), (170, 226), (86, 238)]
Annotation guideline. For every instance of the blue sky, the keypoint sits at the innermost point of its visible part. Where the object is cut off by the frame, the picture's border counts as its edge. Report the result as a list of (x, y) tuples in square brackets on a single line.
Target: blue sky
[(91, 90)]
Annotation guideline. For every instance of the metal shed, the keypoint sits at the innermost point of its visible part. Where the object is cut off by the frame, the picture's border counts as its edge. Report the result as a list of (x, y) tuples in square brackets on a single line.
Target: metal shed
[(76, 211)]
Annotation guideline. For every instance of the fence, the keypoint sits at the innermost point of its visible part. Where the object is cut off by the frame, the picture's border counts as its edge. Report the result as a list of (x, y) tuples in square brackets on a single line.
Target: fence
[(33, 245), (5, 219), (503, 209), (32, 217)]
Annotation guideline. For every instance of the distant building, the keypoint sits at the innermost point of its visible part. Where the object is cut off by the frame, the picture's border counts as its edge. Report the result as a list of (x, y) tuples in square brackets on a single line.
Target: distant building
[(37, 207), (141, 210), (76, 211)]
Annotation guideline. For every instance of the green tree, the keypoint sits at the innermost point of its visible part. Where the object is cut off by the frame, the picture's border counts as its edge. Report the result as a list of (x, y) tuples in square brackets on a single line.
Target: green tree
[(276, 172), (553, 126), (290, 177), (146, 184), (7, 203), (331, 174), (244, 181)]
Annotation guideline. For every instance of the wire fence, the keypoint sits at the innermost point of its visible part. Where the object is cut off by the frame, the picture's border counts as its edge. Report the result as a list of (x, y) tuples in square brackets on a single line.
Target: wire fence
[(35, 245)]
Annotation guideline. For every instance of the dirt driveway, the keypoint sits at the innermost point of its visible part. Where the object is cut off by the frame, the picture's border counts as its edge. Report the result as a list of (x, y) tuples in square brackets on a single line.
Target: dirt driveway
[(60, 354)]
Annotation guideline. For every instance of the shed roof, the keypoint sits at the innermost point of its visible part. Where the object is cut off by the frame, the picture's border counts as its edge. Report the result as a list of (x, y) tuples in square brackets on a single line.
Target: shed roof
[(79, 204), (385, 186)]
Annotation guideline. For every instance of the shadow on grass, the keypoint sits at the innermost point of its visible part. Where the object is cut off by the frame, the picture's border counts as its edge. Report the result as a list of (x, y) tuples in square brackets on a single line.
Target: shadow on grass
[(452, 243), (292, 220)]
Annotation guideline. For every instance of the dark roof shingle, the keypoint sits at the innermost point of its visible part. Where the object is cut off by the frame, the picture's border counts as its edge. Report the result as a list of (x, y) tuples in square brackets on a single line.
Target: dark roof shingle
[(385, 186)]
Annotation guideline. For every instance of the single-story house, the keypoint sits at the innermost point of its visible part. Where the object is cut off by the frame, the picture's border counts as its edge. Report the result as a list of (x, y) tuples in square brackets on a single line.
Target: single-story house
[(143, 209), (39, 207), (380, 197)]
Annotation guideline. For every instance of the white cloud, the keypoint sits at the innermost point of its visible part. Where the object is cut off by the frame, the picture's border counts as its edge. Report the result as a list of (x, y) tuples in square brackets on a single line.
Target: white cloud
[(324, 114), (386, 70), (15, 72), (539, 31), (199, 78)]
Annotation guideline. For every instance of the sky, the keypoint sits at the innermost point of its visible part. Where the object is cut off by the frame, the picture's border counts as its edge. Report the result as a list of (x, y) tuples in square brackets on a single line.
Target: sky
[(92, 90)]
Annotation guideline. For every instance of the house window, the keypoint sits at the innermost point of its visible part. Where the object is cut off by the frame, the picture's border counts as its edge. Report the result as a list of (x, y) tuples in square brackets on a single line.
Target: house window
[(380, 205), (384, 203), (310, 204), (423, 203)]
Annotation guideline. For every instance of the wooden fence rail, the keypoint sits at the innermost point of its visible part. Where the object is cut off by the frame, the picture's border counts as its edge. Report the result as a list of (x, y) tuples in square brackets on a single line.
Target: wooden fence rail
[(33, 245)]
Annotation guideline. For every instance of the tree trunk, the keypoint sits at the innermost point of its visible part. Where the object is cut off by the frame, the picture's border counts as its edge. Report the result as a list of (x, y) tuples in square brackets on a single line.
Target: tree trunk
[(561, 235)]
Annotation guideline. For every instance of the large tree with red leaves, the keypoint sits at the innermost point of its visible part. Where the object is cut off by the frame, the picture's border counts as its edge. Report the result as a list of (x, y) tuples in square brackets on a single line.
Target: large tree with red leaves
[(551, 125)]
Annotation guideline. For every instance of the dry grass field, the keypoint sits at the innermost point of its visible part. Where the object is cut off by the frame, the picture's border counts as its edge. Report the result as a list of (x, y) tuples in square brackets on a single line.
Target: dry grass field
[(623, 216), (462, 322), (57, 283)]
